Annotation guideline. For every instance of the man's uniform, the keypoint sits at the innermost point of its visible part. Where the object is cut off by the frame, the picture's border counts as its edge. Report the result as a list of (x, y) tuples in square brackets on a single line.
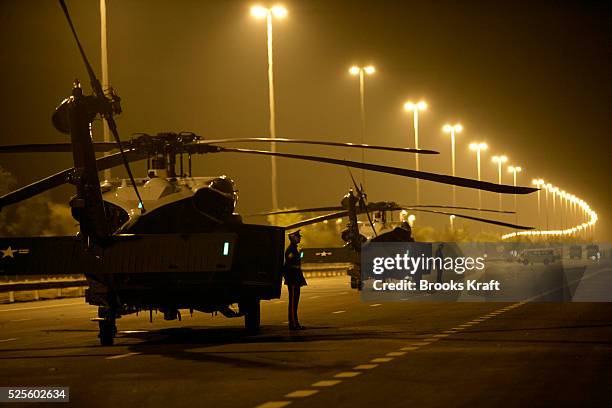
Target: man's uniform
[(294, 279)]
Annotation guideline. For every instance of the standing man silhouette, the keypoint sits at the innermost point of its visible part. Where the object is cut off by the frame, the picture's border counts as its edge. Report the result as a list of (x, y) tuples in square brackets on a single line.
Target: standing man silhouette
[(294, 278)]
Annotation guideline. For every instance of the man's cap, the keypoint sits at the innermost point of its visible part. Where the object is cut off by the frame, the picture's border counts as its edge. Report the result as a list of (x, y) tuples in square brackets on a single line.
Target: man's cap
[(295, 234)]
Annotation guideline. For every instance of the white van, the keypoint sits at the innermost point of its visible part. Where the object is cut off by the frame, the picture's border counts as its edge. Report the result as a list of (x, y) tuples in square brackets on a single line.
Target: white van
[(541, 255)]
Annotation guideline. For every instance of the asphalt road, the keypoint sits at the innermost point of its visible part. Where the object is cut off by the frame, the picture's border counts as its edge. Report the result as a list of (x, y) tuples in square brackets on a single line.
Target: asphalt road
[(353, 354)]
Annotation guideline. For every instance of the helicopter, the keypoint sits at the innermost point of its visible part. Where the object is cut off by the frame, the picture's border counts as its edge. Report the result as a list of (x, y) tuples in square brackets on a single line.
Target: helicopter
[(354, 203), (169, 241)]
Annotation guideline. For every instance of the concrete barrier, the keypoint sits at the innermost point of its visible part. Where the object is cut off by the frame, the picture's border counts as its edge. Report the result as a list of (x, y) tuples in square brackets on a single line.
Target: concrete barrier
[(40, 287)]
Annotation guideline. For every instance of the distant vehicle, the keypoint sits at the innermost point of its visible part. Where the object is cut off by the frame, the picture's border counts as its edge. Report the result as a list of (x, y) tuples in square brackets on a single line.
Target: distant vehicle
[(541, 255), (592, 252), (575, 252)]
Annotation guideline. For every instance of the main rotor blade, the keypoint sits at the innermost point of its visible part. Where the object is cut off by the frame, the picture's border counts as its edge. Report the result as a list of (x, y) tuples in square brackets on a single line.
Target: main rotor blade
[(487, 221), (392, 207), (318, 142), (54, 147), (320, 218), (116, 159), (297, 211), (63, 177), (437, 178), (451, 207), (35, 188)]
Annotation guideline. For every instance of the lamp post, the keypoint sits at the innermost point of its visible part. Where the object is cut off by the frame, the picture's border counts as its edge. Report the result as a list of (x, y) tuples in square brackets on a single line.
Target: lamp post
[(104, 63), (538, 183), (452, 129), (451, 219), (514, 170), (279, 12), (554, 191), (547, 189), (478, 147), (415, 108), (499, 160), (362, 72)]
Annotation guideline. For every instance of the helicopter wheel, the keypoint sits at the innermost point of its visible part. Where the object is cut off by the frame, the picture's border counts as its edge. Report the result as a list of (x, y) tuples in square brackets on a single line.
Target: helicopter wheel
[(252, 316), (108, 328)]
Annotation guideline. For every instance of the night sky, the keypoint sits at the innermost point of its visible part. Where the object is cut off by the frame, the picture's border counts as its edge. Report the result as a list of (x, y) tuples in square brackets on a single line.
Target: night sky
[(532, 79)]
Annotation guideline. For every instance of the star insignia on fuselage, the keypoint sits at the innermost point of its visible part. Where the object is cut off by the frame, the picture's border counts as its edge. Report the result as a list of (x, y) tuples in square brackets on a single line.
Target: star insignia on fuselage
[(8, 252)]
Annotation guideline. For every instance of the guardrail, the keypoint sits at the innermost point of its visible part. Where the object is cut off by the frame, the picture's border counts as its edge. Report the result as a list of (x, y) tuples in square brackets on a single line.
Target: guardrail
[(54, 287)]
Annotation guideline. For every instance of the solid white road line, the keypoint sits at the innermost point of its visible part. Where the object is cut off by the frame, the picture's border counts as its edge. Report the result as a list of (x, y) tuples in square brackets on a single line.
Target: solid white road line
[(42, 307)]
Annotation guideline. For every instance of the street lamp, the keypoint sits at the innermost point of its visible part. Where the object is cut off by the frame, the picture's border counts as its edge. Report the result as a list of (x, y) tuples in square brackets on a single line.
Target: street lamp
[(104, 63), (452, 129), (514, 170), (478, 147), (499, 160), (415, 108), (362, 72), (538, 183), (279, 12)]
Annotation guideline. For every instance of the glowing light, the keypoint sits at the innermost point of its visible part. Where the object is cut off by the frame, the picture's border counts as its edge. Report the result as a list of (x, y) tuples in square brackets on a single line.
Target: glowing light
[(279, 11), (478, 146), (499, 159), (369, 70), (262, 12), (355, 70), (259, 12), (419, 106), (449, 128), (592, 216)]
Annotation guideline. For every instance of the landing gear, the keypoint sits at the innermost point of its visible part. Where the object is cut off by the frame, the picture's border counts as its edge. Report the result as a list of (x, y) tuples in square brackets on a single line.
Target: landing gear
[(252, 315), (107, 325)]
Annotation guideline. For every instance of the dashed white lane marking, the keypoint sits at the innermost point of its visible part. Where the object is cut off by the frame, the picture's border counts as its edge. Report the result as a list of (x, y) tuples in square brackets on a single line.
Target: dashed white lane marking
[(7, 340), (347, 374), (381, 360), (326, 383), (42, 307), (19, 320), (117, 357), (274, 404), (389, 357), (376, 305), (301, 393), (365, 366), (314, 297)]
